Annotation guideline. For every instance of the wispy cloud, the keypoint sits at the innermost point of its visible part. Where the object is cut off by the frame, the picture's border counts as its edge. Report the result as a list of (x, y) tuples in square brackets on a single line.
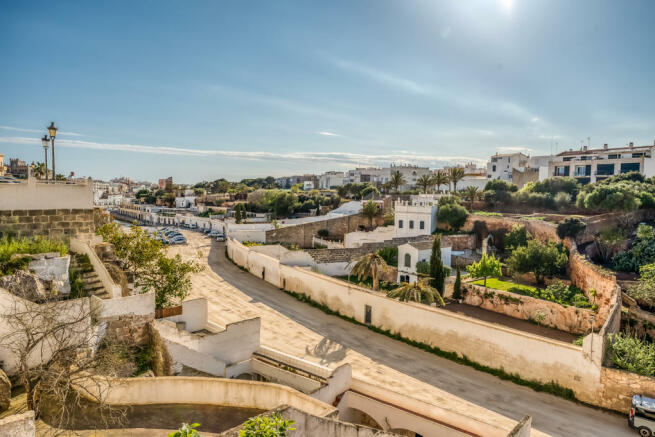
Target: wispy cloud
[(328, 134), (341, 158), (514, 149), (383, 77), (37, 131), (445, 32)]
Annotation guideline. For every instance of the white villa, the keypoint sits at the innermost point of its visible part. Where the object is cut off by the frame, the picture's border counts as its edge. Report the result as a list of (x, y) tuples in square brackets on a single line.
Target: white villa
[(410, 254), (416, 217)]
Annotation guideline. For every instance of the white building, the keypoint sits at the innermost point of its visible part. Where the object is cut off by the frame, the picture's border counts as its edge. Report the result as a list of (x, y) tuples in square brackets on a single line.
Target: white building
[(416, 217), (591, 165), (308, 185), (185, 202), (410, 254), (332, 179), (500, 166)]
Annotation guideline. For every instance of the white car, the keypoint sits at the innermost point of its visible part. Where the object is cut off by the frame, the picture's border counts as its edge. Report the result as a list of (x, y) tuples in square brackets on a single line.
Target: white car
[(642, 415)]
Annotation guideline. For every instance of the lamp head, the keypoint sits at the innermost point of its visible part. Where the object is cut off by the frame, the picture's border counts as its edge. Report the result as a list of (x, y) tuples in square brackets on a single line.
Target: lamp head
[(45, 141), (52, 130)]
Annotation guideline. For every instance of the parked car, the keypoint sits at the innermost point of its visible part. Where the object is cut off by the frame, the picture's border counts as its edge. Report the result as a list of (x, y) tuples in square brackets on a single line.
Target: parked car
[(178, 240), (220, 238), (642, 415)]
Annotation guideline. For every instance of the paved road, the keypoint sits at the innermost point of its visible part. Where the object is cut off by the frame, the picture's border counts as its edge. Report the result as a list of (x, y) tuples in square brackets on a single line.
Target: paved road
[(299, 329)]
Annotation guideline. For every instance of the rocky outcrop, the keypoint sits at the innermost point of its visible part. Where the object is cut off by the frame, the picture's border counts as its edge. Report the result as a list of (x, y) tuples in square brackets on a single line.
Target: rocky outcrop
[(24, 284), (5, 391)]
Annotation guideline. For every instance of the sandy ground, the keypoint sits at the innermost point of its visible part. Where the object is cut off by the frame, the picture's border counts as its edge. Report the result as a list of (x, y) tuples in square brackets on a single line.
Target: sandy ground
[(296, 328)]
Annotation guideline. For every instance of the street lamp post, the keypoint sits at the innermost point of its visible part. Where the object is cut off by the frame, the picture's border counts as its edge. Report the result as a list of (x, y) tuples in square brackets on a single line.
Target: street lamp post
[(52, 130), (46, 143)]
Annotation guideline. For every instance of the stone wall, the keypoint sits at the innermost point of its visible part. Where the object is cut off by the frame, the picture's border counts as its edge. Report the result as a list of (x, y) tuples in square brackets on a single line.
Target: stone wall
[(131, 329), (459, 242), (542, 230), (18, 425), (302, 234), (616, 219), (619, 386), (51, 223), (568, 319)]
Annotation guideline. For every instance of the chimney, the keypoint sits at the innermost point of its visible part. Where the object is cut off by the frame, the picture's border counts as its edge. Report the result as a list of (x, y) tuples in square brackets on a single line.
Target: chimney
[(605, 146), (632, 144)]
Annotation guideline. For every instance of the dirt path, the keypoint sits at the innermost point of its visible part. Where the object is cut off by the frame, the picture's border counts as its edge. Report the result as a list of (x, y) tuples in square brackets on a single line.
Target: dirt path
[(296, 328)]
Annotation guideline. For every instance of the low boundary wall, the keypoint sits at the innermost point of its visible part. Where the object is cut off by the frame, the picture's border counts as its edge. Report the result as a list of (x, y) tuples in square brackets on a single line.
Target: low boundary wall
[(211, 391), (81, 246)]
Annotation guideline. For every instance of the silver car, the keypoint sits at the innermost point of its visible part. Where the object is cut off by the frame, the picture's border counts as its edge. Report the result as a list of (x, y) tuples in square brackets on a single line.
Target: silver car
[(642, 415)]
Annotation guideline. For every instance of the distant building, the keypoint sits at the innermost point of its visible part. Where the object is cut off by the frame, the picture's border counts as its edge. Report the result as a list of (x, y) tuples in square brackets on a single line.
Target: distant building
[(290, 181), (185, 202), (18, 168), (2, 164), (332, 179), (412, 253), (500, 166), (591, 165), (165, 184), (308, 185)]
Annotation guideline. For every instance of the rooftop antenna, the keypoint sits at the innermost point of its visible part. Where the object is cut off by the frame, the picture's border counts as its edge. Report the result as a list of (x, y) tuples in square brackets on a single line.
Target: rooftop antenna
[(589, 142)]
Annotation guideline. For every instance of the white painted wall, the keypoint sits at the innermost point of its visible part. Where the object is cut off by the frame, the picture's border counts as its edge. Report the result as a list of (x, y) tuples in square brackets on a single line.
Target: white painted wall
[(38, 195), (85, 247), (137, 304), (52, 267)]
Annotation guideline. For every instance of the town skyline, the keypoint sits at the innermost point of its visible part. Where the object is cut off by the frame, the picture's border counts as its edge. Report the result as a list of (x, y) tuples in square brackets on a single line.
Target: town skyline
[(384, 85)]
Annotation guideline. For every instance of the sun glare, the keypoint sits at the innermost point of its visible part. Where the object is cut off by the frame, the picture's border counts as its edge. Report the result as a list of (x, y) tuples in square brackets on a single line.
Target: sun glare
[(507, 4)]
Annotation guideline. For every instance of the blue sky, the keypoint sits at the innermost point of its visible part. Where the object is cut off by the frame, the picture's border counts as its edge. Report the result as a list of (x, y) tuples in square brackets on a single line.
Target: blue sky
[(208, 89)]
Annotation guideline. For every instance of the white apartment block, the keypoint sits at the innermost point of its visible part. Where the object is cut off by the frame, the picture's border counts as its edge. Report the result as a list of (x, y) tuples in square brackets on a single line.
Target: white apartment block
[(185, 202), (416, 217), (591, 165), (410, 254), (500, 166), (332, 179)]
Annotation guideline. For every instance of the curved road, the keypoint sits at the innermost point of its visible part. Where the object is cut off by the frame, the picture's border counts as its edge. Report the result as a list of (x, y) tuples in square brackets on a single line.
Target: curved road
[(307, 332)]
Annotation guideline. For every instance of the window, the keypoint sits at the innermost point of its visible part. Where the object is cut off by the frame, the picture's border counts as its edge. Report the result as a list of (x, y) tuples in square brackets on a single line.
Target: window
[(630, 166), (400, 224), (408, 260), (637, 155), (582, 170), (562, 171), (421, 225), (494, 159), (367, 314), (614, 156), (411, 224), (567, 159), (493, 168), (605, 169)]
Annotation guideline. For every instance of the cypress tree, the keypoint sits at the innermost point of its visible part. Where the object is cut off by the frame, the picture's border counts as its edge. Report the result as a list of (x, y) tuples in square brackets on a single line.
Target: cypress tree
[(457, 288), (436, 265)]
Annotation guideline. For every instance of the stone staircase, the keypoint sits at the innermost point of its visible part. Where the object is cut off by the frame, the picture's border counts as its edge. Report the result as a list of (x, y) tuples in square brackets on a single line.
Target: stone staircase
[(91, 284)]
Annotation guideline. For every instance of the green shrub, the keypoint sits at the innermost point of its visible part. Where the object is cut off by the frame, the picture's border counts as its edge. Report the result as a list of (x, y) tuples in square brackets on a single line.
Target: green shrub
[(423, 267), (518, 236), (448, 200), (493, 197), (539, 200), (453, 215), (265, 426), (641, 253), (323, 233), (570, 227), (541, 259), (500, 185), (186, 430), (389, 255), (553, 186), (562, 199), (13, 246), (632, 354)]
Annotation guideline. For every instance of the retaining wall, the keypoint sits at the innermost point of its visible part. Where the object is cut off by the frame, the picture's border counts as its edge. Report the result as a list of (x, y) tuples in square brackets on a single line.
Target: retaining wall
[(302, 234), (51, 223), (569, 318)]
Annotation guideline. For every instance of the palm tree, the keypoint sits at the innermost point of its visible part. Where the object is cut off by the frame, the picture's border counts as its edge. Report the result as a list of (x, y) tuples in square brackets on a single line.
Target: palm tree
[(471, 193), (370, 210), (418, 291), (455, 174), (397, 179), (440, 178), (425, 182), (371, 265), (38, 170)]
